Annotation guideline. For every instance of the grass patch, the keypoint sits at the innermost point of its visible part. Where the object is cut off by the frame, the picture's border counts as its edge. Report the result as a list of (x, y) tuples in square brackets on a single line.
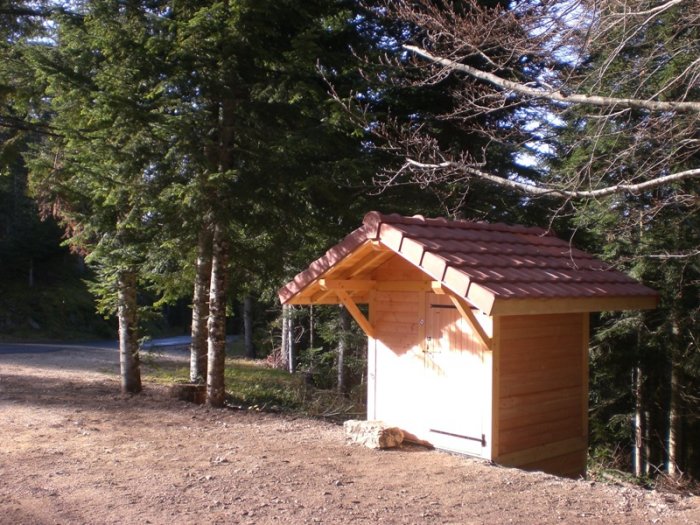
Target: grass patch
[(253, 385)]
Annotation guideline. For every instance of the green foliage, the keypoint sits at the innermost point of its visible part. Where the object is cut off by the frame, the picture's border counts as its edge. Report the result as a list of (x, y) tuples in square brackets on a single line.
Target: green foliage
[(652, 235), (61, 309)]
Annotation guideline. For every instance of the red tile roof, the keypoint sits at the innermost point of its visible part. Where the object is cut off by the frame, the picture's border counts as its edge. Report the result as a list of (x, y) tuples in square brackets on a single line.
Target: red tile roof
[(488, 264)]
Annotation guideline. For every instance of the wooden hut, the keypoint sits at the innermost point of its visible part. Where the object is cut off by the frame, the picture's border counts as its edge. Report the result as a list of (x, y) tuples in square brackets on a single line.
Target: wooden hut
[(477, 333)]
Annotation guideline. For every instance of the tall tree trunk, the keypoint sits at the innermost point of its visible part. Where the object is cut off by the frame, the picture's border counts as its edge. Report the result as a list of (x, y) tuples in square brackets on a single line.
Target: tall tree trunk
[(639, 445), (248, 326), (128, 335), (311, 326), (284, 346), (217, 320), (674, 423), (30, 276), (290, 350), (648, 448), (674, 444), (200, 310), (343, 348)]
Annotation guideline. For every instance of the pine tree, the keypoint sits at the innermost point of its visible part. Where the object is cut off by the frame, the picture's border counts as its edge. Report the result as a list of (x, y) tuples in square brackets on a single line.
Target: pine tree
[(93, 172)]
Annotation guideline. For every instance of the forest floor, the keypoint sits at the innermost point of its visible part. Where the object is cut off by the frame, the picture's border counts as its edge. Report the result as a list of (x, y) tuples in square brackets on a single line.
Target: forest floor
[(73, 450)]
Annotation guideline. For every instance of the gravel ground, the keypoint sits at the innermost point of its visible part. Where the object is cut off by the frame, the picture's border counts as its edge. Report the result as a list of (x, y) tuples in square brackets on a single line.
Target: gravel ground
[(73, 450)]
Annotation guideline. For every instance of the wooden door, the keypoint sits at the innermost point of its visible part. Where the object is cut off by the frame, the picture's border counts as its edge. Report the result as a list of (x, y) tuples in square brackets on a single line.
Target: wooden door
[(455, 379)]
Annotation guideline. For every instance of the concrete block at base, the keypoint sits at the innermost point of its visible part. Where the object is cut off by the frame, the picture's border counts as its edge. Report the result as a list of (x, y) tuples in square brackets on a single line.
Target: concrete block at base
[(373, 434)]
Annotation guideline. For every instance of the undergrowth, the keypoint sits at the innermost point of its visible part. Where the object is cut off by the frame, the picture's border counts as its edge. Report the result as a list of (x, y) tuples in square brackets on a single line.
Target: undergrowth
[(254, 385), (609, 466)]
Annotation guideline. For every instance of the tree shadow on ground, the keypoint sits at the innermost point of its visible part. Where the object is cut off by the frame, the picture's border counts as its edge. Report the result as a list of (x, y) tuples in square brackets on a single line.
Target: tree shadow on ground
[(96, 393)]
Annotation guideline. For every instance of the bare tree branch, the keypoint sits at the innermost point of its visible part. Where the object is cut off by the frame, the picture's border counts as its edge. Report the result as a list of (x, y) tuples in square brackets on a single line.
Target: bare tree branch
[(541, 190), (556, 95)]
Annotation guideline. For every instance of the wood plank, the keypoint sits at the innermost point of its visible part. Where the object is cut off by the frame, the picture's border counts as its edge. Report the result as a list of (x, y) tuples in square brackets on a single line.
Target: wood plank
[(574, 305), (398, 269), (535, 346), (553, 404), (536, 330), (422, 319), (512, 322), (395, 316), (396, 306), (542, 452), (584, 373), (389, 328), (572, 465), (544, 375), (467, 314), (349, 285), (496, 351), (400, 344), (538, 362), (403, 286), (539, 397), (509, 389), (397, 296), (404, 316), (527, 437), (372, 262), (537, 418)]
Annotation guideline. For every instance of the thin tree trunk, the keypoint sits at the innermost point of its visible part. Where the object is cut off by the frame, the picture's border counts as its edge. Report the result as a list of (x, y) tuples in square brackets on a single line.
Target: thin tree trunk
[(291, 354), (343, 348), (128, 335), (647, 443), (217, 320), (200, 310), (285, 335), (248, 326), (639, 458), (673, 462), (30, 279), (311, 326)]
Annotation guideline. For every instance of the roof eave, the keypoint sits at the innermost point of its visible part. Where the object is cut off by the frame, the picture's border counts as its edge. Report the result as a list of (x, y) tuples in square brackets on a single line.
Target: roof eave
[(502, 307)]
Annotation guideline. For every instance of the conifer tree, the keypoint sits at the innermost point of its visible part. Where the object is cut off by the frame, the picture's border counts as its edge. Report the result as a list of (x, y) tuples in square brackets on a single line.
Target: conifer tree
[(94, 171)]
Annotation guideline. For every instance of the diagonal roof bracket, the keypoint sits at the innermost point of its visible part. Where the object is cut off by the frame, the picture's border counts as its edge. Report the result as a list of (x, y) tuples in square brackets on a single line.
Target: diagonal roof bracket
[(465, 311), (355, 312)]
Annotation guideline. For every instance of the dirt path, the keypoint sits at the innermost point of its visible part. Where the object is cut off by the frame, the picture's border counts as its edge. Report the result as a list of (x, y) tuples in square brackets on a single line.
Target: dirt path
[(72, 450)]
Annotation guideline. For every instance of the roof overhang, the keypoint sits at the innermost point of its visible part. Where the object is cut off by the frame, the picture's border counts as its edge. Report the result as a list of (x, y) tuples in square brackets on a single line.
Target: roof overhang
[(345, 273)]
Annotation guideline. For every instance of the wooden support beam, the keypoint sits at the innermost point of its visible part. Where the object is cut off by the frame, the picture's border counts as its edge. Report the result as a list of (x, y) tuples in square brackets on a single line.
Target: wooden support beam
[(465, 310), (355, 312), (320, 296), (371, 262), (437, 288)]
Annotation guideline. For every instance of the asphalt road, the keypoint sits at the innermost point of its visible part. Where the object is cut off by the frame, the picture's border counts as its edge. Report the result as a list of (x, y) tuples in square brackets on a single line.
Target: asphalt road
[(168, 343)]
